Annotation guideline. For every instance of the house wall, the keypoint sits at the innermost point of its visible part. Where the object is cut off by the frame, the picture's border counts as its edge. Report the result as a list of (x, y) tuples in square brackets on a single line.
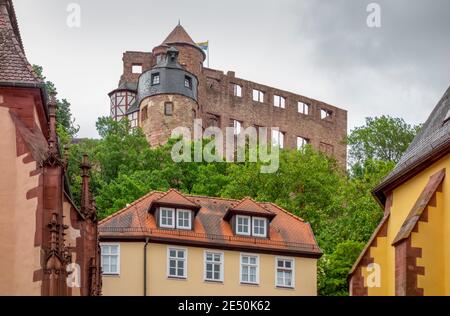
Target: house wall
[(18, 211), (130, 280), (432, 237)]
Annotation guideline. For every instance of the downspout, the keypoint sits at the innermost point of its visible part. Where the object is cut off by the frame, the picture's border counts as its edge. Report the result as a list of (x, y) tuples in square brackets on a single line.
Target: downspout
[(145, 265)]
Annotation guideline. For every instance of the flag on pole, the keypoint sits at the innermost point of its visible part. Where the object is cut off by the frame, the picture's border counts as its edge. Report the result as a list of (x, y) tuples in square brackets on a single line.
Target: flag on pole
[(203, 45)]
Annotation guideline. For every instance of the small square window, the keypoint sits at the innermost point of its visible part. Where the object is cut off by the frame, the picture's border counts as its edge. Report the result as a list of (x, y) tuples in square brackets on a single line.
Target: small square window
[(136, 69), (188, 82), (167, 217), (155, 79), (279, 101), (237, 90), (243, 225), (302, 142), (168, 108), (303, 108), (258, 96), (259, 226), (184, 219), (326, 114)]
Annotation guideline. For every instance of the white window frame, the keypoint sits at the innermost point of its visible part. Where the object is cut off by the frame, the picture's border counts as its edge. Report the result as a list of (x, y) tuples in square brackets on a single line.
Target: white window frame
[(237, 90), (279, 101), (185, 260), (154, 76), (173, 217), (118, 258), (189, 227), (221, 263), (249, 225), (265, 227), (292, 270), (258, 96), (303, 108), (248, 264), (279, 136)]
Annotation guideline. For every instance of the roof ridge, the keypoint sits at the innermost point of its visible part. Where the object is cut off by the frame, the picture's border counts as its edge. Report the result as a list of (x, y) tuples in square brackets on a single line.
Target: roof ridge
[(129, 206), (285, 211)]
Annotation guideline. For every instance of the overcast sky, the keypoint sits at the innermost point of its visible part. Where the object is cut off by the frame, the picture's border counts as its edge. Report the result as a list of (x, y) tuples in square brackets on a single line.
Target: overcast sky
[(321, 49)]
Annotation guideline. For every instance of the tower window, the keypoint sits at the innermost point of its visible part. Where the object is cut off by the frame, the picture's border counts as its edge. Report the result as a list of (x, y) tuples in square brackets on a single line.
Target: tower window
[(303, 108), (168, 108), (188, 82), (155, 79), (137, 69), (279, 101), (237, 90), (258, 96)]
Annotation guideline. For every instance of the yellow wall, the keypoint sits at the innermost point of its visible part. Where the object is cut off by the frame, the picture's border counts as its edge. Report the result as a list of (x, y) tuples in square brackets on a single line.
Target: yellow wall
[(433, 236), (130, 281)]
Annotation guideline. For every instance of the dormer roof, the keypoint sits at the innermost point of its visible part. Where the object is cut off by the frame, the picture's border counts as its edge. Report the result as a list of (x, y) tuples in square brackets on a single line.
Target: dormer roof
[(173, 198), (250, 208)]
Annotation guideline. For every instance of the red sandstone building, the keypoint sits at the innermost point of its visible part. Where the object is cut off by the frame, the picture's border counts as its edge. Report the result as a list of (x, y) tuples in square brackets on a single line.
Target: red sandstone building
[(169, 87), (48, 246)]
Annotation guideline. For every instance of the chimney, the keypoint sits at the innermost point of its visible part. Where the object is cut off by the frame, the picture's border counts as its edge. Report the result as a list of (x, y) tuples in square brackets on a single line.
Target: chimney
[(85, 193)]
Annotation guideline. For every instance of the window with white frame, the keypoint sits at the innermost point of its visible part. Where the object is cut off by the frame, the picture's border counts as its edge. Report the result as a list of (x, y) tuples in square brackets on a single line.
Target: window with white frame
[(155, 79), (278, 138), (213, 266), (176, 263), (167, 217), (302, 142), (303, 108), (184, 219), (243, 225), (249, 269), (259, 227), (258, 96), (285, 272), (237, 90), (279, 101), (110, 259)]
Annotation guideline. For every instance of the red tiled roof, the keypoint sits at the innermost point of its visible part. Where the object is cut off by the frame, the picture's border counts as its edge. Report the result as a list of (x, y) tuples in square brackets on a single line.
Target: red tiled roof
[(179, 35), (288, 234), (173, 197), (14, 67), (250, 207)]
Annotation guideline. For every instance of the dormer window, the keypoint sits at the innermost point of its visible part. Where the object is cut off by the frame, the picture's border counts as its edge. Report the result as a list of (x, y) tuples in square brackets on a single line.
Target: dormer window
[(259, 226), (175, 218), (167, 218), (184, 219), (243, 225)]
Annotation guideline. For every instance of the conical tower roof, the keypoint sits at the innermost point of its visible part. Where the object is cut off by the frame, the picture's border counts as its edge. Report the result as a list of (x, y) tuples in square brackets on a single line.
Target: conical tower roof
[(179, 35)]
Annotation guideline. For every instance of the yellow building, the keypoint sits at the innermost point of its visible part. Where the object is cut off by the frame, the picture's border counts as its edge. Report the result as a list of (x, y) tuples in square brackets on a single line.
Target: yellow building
[(172, 244), (409, 253)]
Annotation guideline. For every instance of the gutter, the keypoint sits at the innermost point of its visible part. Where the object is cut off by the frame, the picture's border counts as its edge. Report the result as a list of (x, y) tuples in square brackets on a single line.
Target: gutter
[(145, 265)]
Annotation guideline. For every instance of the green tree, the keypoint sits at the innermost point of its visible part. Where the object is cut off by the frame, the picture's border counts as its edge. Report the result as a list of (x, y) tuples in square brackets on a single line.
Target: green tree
[(67, 129), (382, 138)]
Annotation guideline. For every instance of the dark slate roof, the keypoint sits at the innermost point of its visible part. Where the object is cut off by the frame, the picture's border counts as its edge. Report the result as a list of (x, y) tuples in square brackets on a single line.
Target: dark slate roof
[(433, 138), (14, 67), (128, 86), (133, 108)]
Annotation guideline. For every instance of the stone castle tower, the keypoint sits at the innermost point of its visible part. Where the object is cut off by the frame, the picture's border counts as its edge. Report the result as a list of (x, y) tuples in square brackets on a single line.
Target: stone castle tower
[(169, 87)]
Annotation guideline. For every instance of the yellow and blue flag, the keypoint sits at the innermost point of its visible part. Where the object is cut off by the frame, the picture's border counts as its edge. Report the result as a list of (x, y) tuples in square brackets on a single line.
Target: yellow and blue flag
[(203, 45)]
